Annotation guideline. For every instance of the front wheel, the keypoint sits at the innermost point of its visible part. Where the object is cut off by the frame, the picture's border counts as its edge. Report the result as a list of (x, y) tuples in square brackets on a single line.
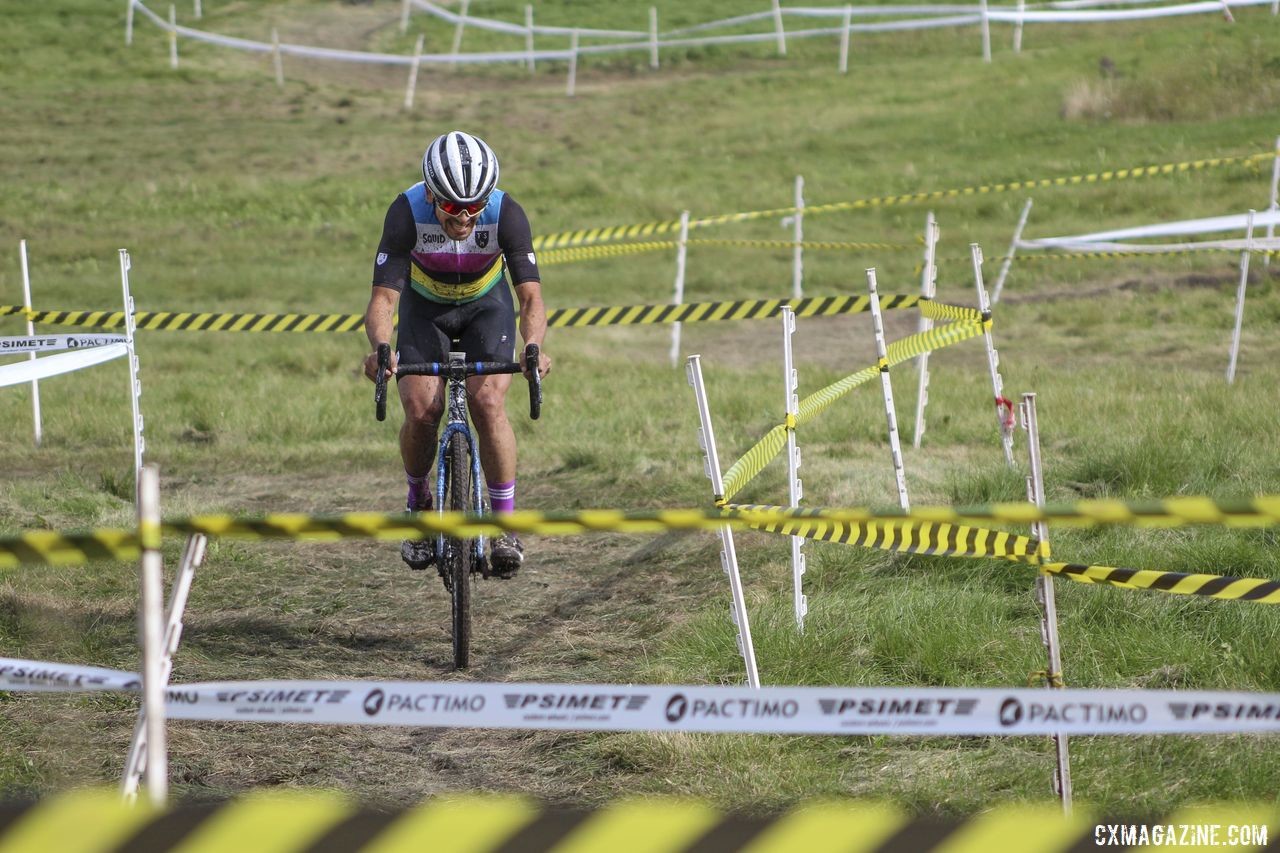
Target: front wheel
[(456, 559)]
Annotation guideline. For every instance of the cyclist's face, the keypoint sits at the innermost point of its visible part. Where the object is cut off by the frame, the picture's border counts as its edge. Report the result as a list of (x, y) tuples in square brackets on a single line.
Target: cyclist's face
[(457, 227)]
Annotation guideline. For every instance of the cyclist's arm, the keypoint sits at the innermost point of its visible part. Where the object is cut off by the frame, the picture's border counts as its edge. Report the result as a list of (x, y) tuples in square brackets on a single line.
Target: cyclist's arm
[(516, 239), (533, 320), (390, 272)]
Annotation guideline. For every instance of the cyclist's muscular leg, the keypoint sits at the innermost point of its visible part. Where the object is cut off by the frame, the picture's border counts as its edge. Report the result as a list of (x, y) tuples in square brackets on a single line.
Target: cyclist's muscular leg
[(423, 401), (486, 399)]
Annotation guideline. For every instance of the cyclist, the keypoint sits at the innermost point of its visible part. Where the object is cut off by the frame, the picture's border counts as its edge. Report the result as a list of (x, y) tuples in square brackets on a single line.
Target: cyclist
[(448, 245)]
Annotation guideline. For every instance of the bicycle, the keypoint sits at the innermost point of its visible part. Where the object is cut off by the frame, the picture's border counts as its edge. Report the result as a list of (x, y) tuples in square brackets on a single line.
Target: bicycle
[(458, 478)]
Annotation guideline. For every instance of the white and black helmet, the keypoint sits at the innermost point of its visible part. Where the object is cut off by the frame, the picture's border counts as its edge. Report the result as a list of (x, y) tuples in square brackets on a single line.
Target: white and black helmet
[(459, 167)]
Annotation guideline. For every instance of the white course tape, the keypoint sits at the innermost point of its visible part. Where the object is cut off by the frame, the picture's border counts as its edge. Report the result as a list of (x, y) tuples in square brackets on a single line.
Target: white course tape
[(1102, 16), (40, 677), (53, 365), (1260, 244), (1212, 225), (667, 708), (776, 710), (51, 343)]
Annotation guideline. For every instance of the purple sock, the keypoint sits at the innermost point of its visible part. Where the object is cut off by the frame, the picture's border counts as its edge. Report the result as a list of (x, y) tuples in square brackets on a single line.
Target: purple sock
[(502, 496), (419, 496)]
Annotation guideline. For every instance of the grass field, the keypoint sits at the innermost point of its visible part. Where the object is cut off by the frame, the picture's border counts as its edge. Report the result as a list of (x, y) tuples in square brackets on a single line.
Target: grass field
[(234, 195)]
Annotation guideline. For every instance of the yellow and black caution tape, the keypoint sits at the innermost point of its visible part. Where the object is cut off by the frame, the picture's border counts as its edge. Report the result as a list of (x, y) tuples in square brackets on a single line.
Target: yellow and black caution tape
[(938, 539), (689, 312), (548, 257), (590, 236), (931, 530), (767, 448), (743, 309), (88, 819), (196, 321), (1176, 583)]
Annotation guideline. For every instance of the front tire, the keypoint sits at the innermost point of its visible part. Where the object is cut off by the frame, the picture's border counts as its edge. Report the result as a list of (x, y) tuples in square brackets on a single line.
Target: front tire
[(457, 552)]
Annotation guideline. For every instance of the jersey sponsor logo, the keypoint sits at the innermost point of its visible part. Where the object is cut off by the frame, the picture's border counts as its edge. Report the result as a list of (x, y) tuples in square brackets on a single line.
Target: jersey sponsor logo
[(382, 258), (532, 259), (482, 237)]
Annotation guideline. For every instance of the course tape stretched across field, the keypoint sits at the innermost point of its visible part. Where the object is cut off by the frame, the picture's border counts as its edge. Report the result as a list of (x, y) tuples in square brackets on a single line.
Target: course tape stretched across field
[(617, 315), (687, 708), (968, 323), (920, 527), (589, 253), (588, 236), (326, 820)]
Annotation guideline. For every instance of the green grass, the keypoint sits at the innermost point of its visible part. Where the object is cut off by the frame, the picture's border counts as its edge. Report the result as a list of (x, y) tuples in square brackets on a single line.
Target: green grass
[(233, 195)]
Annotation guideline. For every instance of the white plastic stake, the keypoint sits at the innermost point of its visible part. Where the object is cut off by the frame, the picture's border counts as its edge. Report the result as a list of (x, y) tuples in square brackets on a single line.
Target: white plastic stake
[(895, 447), (1275, 187), (404, 16), (795, 488), (199, 13), (192, 558), (573, 64), (462, 25), (728, 556), (928, 290), (993, 361), (1244, 283), (135, 384), (682, 252), (797, 259), (777, 23), (844, 40), (1045, 598), (1017, 27), (528, 34), (412, 86), (653, 36), (151, 635), (31, 333), (173, 37), (276, 60), (986, 33), (1008, 258), (1226, 12), (128, 23)]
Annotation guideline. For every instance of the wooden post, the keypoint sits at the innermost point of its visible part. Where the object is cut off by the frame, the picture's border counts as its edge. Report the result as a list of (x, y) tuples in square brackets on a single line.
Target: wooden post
[(151, 634), (986, 33), (573, 64), (276, 59), (128, 23)]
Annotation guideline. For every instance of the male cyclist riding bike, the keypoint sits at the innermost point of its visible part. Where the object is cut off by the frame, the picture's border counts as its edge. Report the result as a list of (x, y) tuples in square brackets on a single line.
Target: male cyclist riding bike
[(451, 239)]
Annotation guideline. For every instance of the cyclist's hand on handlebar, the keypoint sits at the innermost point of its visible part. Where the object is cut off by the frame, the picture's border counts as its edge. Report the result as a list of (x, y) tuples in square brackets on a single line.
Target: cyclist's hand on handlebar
[(544, 365), (371, 366)]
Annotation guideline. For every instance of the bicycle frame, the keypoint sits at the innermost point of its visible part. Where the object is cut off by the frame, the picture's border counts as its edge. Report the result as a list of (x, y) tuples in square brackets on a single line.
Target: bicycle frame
[(456, 401)]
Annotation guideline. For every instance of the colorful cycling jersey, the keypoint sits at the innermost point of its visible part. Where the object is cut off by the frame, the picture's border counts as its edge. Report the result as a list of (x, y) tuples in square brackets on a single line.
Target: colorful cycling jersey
[(415, 249)]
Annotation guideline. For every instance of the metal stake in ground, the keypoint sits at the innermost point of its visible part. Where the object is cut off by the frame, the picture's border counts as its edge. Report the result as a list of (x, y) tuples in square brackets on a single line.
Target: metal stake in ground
[(795, 489), (1244, 283), (135, 384), (895, 447), (928, 290), (150, 635), (682, 254), (1008, 258), (728, 556), (192, 557), (31, 333), (1005, 422), (1045, 597)]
